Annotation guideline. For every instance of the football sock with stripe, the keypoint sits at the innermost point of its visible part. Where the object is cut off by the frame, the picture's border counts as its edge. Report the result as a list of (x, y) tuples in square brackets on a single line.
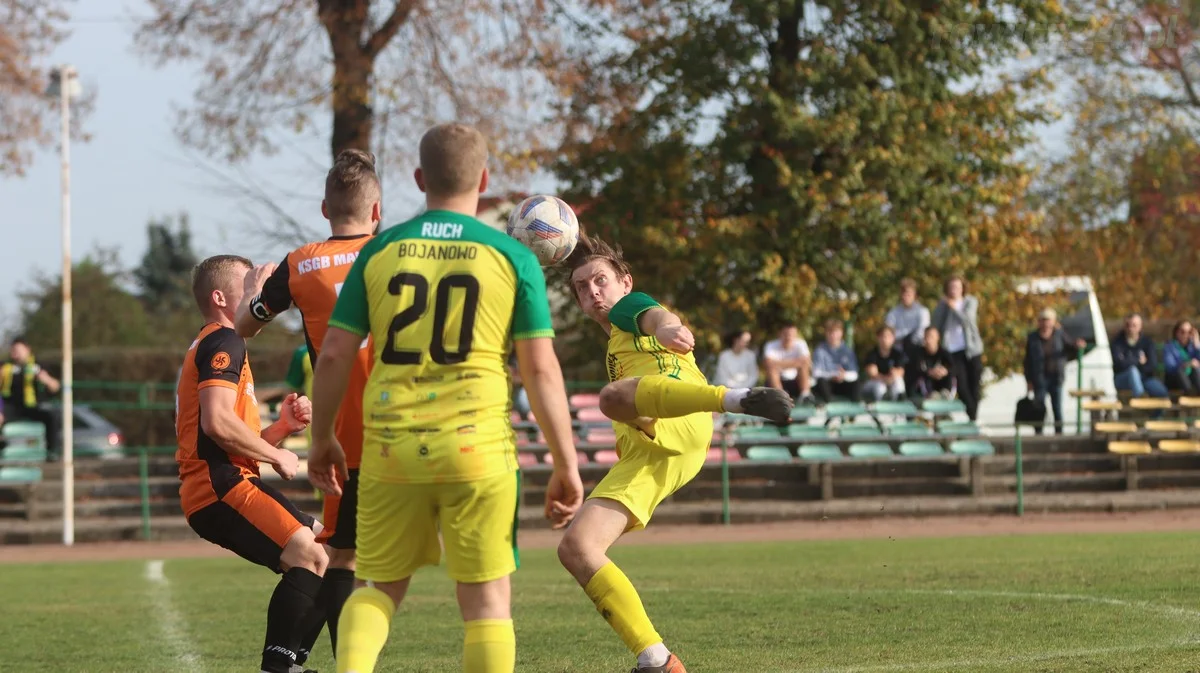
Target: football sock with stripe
[(336, 589), (489, 646), (618, 602), (660, 396), (363, 629), (293, 600)]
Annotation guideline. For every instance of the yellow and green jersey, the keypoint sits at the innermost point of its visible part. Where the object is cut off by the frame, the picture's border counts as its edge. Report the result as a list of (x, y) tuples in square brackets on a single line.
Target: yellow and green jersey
[(443, 295), (631, 353)]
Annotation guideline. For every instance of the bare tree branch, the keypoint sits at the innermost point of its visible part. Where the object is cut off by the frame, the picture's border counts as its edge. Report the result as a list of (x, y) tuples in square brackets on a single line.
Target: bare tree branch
[(380, 38)]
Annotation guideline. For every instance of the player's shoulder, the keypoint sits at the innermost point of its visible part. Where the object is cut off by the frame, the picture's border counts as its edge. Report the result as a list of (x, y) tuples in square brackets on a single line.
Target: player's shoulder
[(219, 338), (445, 225)]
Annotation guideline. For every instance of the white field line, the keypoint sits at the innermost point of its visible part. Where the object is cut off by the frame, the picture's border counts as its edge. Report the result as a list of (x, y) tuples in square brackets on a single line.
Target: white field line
[(169, 619)]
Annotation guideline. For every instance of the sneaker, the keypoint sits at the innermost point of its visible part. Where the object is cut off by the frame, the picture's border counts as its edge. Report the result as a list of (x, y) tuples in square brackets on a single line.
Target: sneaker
[(673, 665), (297, 668), (808, 399), (770, 403)]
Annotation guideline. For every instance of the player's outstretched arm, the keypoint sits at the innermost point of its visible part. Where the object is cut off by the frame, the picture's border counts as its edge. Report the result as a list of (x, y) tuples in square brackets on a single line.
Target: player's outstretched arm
[(220, 422), (326, 460), (543, 379)]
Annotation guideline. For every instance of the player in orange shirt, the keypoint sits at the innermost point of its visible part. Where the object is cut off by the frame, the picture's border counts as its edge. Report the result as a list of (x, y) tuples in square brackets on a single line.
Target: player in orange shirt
[(221, 443), (310, 277)]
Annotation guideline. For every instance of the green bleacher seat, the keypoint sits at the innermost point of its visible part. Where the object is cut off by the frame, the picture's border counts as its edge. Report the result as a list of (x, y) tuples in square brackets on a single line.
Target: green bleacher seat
[(756, 432), (768, 453), (24, 433), (870, 450), (801, 431), (908, 430), (944, 406), (906, 409), (844, 409), (742, 418), (819, 452), (803, 413), (921, 449), (972, 447), (19, 452), (20, 475), (859, 431), (958, 428)]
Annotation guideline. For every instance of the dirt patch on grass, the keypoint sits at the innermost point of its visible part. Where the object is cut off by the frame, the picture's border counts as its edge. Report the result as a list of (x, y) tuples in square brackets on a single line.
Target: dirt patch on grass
[(941, 526)]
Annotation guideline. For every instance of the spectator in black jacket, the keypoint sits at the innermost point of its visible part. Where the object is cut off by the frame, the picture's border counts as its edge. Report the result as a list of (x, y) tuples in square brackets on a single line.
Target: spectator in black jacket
[(1133, 357), (932, 369), (1047, 349)]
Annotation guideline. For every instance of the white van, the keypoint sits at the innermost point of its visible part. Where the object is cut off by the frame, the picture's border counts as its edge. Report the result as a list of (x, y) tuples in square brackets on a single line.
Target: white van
[(1000, 397)]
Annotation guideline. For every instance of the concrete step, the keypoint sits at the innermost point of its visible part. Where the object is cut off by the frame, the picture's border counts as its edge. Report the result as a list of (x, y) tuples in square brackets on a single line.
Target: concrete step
[(1057, 483)]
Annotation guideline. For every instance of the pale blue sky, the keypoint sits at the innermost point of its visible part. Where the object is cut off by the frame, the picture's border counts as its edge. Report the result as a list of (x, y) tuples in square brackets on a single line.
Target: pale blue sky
[(134, 169)]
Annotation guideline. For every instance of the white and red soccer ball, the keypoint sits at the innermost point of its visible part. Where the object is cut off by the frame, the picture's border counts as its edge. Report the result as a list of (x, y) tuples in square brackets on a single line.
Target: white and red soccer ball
[(547, 226)]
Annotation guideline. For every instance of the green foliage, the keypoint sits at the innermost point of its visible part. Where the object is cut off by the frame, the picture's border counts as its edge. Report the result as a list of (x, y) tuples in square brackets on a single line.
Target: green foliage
[(796, 160), (164, 276), (104, 312)]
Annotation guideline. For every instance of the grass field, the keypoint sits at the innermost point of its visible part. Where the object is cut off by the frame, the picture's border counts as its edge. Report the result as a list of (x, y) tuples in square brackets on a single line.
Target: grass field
[(1022, 603)]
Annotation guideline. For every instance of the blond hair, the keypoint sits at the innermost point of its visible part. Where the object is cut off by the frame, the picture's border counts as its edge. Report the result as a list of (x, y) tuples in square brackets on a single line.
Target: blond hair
[(215, 273), (453, 157), (351, 186)]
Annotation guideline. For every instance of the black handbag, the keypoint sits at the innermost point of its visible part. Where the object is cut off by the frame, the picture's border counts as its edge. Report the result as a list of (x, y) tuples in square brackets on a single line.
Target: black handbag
[(1031, 412)]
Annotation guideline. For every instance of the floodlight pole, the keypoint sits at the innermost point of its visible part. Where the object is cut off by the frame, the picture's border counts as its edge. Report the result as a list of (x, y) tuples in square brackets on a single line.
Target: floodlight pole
[(66, 74)]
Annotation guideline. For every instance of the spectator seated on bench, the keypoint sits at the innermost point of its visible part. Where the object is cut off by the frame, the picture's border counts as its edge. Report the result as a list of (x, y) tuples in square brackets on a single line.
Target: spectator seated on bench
[(1133, 357)]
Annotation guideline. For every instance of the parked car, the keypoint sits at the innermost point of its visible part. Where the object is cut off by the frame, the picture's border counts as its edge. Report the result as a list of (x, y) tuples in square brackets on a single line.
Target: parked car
[(95, 436)]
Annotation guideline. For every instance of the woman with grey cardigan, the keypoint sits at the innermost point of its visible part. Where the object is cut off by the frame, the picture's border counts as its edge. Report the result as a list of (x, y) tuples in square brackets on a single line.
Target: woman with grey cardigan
[(957, 319)]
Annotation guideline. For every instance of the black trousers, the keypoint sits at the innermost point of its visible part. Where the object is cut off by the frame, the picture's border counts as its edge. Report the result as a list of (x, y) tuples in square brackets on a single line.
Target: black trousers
[(827, 389), (1188, 383), (969, 374)]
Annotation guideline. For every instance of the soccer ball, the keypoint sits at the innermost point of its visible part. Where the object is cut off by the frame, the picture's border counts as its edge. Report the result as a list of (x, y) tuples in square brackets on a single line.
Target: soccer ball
[(547, 226)]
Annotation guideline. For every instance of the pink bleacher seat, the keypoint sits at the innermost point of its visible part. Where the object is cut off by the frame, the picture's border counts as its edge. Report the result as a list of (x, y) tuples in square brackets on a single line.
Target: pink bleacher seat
[(581, 400), (523, 440), (514, 417), (601, 436), (525, 459), (591, 415), (606, 457), (714, 455)]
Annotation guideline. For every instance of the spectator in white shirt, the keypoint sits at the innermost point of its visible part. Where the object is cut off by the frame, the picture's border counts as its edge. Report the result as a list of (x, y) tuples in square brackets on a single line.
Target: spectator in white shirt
[(788, 363), (737, 365)]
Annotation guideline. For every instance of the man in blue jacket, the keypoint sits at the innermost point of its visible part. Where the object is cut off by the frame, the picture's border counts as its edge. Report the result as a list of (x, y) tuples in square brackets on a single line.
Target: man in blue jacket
[(1133, 356)]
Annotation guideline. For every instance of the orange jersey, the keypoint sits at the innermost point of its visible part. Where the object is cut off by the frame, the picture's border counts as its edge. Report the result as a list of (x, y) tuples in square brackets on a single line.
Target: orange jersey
[(311, 277), (216, 358)]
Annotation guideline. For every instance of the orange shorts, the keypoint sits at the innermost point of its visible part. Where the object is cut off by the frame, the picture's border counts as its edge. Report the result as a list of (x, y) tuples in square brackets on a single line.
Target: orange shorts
[(253, 520)]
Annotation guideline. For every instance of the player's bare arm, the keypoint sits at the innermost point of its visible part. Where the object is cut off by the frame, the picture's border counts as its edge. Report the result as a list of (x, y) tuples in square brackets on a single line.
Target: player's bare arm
[(49, 381), (326, 460), (221, 422), (245, 322), (668, 329), (543, 379)]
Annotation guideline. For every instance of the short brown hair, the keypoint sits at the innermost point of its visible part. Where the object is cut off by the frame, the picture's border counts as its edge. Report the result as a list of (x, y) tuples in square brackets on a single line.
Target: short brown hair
[(885, 328), (351, 186), (589, 249), (951, 279), (908, 284), (453, 157), (215, 273), (834, 322)]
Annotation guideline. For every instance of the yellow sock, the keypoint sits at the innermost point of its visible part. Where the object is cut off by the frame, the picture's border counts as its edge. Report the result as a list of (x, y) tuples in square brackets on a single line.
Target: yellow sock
[(664, 397), (490, 646), (620, 605), (363, 629)]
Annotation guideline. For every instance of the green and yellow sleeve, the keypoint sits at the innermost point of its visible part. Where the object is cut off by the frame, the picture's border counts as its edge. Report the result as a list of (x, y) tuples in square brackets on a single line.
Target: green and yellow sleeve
[(352, 311), (531, 312), (624, 315)]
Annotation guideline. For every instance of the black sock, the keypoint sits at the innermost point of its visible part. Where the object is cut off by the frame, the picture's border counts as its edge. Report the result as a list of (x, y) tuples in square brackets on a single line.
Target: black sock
[(337, 587), (293, 600), (311, 627)]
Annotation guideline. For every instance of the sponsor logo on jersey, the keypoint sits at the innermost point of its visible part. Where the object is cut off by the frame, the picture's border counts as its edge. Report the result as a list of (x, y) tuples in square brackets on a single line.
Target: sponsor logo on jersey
[(220, 360), (428, 379), (466, 449), (466, 429), (423, 451), (324, 262), (466, 376), (386, 418), (468, 413), (441, 230)]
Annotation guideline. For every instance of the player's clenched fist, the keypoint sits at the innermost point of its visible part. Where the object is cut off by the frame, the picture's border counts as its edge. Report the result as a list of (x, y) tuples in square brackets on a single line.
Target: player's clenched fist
[(287, 464), (296, 412), (676, 338)]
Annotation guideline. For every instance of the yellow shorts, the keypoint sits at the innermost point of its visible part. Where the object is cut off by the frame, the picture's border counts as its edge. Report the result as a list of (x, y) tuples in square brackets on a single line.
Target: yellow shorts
[(398, 528), (649, 470)]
